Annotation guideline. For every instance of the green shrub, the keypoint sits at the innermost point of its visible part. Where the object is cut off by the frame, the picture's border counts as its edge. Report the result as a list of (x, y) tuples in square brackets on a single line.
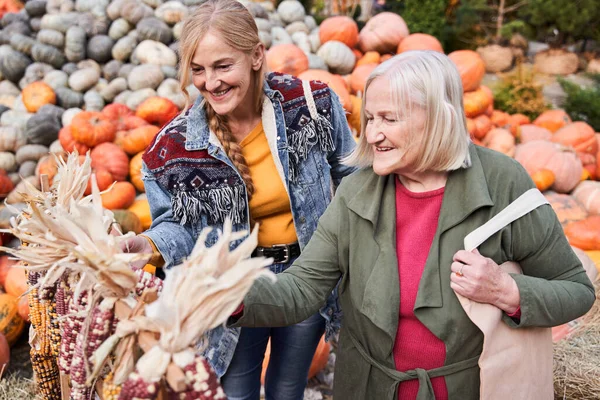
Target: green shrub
[(583, 104), (518, 93)]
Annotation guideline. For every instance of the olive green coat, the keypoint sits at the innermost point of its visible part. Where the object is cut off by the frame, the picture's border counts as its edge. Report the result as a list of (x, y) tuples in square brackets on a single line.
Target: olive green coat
[(356, 241)]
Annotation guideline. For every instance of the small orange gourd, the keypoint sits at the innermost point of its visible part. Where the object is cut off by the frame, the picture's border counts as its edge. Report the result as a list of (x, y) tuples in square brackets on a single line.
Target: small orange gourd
[(543, 179), (37, 94), (11, 323), (121, 196)]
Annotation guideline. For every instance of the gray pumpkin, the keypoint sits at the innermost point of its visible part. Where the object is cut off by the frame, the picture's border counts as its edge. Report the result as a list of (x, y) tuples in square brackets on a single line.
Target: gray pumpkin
[(52, 38), (52, 110), (119, 28), (56, 79), (13, 63), (47, 54), (93, 25), (154, 29), (35, 72), (111, 69), (126, 70), (170, 72), (4, 37), (99, 48), (113, 11), (257, 10), (175, 47), (134, 11), (153, 3), (123, 97), (84, 79), (22, 43), (123, 49), (27, 168), (42, 129), (10, 18), (35, 8), (18, 27), (93, 101), (171, 12), (69, 68), (75, 44), (145, 76), (3, 108), (36, 24), (193, 2), (89, 64), (67, 98)]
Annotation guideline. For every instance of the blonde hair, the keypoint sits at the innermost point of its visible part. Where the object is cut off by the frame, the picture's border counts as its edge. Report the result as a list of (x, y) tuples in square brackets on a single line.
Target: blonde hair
[(235, 25), (429, 80)]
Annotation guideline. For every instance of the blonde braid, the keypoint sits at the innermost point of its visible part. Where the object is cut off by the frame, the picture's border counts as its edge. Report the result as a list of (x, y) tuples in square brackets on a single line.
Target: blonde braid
[(218, 125)]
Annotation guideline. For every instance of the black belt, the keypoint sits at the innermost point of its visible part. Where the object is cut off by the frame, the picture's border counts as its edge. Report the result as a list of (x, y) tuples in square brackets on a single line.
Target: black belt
[(281, 253)]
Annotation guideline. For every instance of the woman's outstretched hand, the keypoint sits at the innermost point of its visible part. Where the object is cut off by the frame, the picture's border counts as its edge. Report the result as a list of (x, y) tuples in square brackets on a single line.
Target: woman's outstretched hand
[(480, 279), (138, 244)]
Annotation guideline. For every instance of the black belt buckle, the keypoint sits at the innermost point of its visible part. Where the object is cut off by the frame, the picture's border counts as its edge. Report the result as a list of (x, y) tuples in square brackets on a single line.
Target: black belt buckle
[(286, 252)]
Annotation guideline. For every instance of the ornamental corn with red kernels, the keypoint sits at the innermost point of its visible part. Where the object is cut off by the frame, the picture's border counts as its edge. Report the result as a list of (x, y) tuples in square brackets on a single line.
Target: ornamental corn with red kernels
[(201, 383), (135, 387)]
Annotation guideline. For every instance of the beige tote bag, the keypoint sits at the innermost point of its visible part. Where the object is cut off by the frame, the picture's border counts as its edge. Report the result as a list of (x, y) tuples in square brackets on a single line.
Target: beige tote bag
[(515, 364)]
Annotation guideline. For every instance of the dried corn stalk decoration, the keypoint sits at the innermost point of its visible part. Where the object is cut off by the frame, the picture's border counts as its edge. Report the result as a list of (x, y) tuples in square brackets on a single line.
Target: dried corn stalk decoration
[(197, 296)]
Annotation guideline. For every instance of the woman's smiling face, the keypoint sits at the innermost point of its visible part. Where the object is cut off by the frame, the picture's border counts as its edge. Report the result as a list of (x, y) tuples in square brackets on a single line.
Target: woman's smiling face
[(395, 136), (223, 75)]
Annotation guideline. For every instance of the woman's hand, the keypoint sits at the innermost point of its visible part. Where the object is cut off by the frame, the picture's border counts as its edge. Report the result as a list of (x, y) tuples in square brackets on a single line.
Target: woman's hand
[(141, 245), (480, 279)]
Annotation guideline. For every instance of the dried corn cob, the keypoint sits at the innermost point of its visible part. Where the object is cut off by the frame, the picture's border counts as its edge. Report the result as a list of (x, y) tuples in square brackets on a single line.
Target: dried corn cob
[(52, 328), (201, 383), (88, 340), (110, 390), (135, 387), (70, 327), (147, 281), (46, 374)]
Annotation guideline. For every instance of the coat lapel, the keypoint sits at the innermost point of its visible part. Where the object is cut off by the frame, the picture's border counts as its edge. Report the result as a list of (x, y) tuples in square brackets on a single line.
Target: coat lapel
[(376, 202), (466, 191)]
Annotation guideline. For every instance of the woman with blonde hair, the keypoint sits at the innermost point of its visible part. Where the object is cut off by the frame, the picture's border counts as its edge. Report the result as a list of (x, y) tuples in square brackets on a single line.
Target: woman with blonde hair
[(394, 236), (253, 148)]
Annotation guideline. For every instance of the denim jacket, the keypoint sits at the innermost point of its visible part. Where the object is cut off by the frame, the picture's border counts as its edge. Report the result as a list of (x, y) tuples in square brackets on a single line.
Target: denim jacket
[(310, 175)]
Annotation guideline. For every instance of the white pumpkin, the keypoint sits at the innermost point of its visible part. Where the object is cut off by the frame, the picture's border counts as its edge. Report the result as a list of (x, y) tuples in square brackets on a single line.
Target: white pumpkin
[(137, 97), (291, 11), (119, 29), (56, 148), (30, 152), (171, 12), (8, 161), (11, 138), (297, 26), (316, 62), (263, 25), (123, 48), (280, 36), (9, 88), (177, 29), (15, 118), (301, 40), (153, 52), (7, 100), (314, 40), (338, 57), (56, 79), (113, 89), (169, 89), (93, 101), (83, 79), (123, 97), (145, 76), (265, 38), (68, 115), (27, 168), (310, 22)]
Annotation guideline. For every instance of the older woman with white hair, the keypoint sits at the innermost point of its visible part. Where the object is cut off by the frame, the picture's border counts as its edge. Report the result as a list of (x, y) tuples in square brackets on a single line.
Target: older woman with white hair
[(394, 235)]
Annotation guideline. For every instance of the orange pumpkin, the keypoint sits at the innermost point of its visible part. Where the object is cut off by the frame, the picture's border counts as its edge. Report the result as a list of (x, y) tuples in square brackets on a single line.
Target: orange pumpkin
[(530, 132), (5, 265), (359, 76), (103, 179), (420, 41), (500, 118), (552, 120), (588, 194), (111, 157), (476, 102), (157, 110), (357, 54), (23, 308), (118, 113), (383, 33), (47, 166), (563, 162), (6, 184), (386, 57), (135, 172), (340, 28), (370, 57), (335, 82), (520, 119), (121, 196), (320, 359), (37, 94), (16, 281), (92, 128), (11, 324), (500, 140), (483, 125), (4, 349), (141, 208), (65, 137), (138, 139), (287, 58), (354, 117), (578, 135), (543, 179), (133, 121), (566, 207), (584, 234), (470, 66), (472, 128)]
